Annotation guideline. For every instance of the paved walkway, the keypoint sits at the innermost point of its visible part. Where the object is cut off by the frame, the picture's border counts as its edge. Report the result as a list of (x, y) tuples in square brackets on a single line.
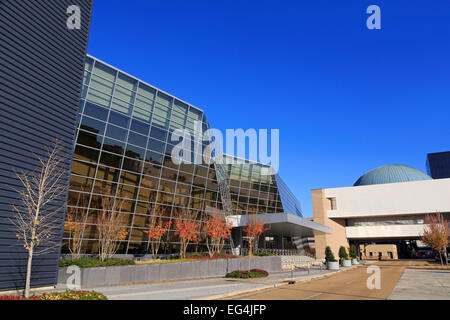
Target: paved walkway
[(349, 285), (199, 289), (421, 284)]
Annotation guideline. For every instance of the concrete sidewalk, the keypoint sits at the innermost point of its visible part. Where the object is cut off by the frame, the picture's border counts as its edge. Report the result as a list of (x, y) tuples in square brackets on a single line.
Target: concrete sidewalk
[(204, 288), (422, 284)]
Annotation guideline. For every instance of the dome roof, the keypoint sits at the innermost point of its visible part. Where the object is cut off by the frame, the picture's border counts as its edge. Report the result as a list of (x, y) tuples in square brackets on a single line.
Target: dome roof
[(391, 174)]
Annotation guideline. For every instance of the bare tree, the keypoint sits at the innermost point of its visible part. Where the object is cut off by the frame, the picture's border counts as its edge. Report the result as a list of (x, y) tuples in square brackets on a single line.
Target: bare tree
[(36, 221), (111, 227)]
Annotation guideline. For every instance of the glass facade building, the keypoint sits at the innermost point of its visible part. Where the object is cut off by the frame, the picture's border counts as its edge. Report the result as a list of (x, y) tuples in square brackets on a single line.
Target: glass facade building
[(123, 152), (438, 165), (254, 188)]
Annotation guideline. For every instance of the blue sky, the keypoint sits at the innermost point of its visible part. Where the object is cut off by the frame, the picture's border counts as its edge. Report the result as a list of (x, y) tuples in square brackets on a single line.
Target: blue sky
[(346, 99)]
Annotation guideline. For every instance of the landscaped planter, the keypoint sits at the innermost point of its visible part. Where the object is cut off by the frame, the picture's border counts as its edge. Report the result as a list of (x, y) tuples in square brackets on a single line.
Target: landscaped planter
[(333, 265), (355, 262), (346, 263), (107, 276)]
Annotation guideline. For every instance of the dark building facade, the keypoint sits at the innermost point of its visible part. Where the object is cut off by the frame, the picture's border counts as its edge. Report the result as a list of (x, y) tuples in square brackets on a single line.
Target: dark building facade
[(41, 71), (438, 165)]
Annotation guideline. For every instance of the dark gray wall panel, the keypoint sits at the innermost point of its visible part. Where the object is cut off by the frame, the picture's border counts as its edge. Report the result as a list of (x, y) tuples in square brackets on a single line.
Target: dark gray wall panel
[(41, 70)]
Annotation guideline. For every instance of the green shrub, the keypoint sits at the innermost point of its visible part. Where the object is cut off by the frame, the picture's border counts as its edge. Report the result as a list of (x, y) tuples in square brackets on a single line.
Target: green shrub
[(329, 256), (253, 273), (264, 254), (353, 253), (343, 253), (94, 262)]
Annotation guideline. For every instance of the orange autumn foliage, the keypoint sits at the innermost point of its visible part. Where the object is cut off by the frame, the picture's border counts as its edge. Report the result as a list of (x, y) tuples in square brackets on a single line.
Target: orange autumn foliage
[(436, 232), (255, 228), (217, 230)]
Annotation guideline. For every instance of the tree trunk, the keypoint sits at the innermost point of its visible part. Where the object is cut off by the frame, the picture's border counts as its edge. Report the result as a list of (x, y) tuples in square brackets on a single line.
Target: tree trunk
[(440, 256), (28, 277)]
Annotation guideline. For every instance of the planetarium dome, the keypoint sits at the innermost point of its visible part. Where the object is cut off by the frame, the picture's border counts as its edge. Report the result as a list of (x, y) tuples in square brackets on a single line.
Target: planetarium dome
[(391, 174)]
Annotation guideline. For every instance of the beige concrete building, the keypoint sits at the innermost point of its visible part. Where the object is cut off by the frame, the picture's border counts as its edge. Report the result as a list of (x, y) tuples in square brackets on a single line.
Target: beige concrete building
[(384, 212)]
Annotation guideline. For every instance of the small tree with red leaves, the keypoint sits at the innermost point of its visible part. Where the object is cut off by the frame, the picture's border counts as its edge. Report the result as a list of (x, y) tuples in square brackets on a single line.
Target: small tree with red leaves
[(188, 230), (157, 229), (436, 233), (255, 228), (217, 230)]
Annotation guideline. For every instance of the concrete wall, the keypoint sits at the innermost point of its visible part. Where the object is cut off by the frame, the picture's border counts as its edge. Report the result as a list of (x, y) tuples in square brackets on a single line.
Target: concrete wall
[(338, 238), (385, 249), (413, 197), (385, 231), (107, 276)]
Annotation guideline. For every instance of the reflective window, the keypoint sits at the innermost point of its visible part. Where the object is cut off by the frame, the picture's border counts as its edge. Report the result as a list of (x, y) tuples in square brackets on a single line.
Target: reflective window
[(95, 111), (116, 133), (83, 168), (86, 154), (156, 145), (154, 157), (152, 169), (89, 139), (135, 152), (110, 159), (132, 165), (119, 119), (158, 133), (88, 63), (114, 146), (137, 139), (126, 81), (104, 71), (92, 125), (139, 127)]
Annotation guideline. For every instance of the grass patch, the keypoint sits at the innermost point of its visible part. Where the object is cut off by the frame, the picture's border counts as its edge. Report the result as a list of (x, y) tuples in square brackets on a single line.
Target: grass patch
[(253, 273), (94, 262), (66, 295), (162, 261)]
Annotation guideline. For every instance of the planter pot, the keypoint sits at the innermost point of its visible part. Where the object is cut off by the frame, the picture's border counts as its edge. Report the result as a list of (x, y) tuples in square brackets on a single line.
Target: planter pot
[(346, 263), (355, 262), (333, 265)]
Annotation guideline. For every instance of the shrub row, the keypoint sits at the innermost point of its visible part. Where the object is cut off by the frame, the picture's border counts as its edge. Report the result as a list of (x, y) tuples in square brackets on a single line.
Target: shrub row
[(94, 262), (66, 295)]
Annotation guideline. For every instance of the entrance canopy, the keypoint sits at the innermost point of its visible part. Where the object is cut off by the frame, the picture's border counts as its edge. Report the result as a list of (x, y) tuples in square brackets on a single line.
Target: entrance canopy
[(285, 224)]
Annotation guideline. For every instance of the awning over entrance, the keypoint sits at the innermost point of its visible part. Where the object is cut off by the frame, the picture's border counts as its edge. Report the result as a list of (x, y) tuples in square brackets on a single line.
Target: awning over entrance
[(283, 223)]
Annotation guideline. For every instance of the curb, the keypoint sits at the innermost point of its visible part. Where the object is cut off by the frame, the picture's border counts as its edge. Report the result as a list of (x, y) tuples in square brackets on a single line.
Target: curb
[(276, 285)]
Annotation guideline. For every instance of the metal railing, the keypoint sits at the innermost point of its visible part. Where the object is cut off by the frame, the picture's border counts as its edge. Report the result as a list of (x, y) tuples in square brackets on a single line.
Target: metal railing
[(279, 252)]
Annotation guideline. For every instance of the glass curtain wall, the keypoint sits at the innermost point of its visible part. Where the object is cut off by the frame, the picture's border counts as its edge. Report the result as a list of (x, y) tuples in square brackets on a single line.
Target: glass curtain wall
[(123, 152), (251, 189)]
